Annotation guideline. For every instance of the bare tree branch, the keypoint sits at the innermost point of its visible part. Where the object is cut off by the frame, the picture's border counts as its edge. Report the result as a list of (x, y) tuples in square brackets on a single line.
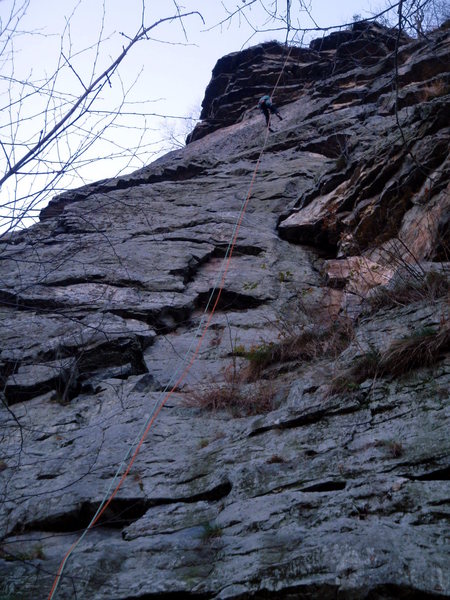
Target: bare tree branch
[(95, 87)]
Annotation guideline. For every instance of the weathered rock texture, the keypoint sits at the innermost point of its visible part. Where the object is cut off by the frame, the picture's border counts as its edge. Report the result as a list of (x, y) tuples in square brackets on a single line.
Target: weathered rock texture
[(334, 314)]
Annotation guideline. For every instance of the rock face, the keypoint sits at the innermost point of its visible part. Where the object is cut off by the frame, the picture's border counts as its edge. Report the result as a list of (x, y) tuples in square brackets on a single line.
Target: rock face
[(327, 475)]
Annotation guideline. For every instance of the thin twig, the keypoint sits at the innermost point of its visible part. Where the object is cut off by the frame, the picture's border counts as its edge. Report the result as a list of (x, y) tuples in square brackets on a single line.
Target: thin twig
[(94, 87)]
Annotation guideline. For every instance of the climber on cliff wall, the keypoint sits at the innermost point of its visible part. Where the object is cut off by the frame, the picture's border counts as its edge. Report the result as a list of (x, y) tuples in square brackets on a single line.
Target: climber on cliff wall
[(266, 106)]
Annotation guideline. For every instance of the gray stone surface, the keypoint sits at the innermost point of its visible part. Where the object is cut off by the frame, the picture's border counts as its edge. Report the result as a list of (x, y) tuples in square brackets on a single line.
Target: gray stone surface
[(328, 494)]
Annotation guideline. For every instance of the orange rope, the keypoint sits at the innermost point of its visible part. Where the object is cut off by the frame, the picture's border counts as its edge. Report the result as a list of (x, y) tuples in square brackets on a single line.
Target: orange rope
[(188, 366)]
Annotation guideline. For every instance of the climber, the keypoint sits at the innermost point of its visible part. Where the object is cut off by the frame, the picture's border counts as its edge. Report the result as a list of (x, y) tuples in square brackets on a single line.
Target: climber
[(267, 108)]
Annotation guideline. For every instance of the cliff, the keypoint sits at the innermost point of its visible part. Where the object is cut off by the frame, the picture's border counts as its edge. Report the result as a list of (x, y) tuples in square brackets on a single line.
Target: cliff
[(305, 454)]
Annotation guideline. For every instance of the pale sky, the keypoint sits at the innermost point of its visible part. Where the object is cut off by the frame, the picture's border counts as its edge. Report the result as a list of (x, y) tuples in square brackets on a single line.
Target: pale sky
[(169, 72), (176, 73)]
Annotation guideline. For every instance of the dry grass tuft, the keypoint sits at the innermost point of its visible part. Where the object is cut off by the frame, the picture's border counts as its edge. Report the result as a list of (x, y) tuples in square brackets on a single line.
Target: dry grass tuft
[(234, 395), (305, 346), (211, 532), (421, 349), (275, 459), (365, 367), (393, 448), (396, 449), (432, 286)]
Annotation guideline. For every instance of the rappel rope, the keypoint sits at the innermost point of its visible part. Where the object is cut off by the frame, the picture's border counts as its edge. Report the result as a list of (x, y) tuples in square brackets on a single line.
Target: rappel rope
[(188, 360)]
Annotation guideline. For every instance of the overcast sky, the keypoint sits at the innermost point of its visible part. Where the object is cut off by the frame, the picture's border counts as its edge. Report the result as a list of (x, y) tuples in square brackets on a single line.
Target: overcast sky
[(178, 74), (167, 74)]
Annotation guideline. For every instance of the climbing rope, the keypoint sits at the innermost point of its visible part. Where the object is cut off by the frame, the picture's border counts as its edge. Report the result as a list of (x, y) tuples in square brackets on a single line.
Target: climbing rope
[(188, 361)]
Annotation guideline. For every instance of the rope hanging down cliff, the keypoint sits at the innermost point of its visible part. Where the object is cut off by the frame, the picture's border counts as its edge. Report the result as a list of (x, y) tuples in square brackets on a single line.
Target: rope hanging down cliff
[(188, 361)]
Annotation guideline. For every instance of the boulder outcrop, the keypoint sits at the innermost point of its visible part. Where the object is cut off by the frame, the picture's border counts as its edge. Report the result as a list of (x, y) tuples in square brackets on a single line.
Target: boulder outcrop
[(305, 452)]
